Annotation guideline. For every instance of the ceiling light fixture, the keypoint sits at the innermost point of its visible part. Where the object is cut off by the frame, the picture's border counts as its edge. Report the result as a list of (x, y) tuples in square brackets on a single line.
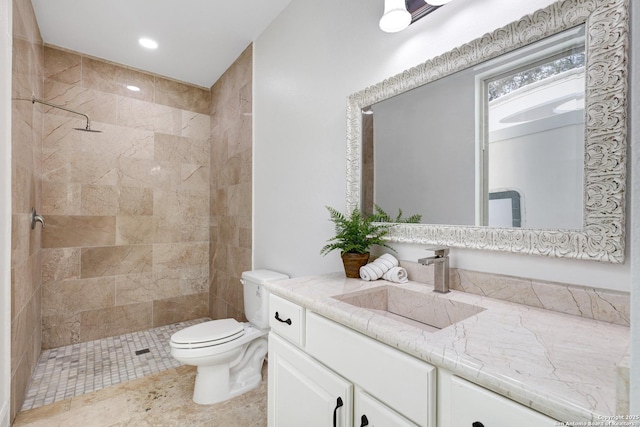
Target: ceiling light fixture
[(133, 88), (148, 43), (437, 2), (396, 17)]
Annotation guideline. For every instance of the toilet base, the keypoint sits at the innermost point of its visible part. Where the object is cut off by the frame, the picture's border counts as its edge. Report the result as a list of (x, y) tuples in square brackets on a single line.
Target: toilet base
[(218, 383), (211, 384)]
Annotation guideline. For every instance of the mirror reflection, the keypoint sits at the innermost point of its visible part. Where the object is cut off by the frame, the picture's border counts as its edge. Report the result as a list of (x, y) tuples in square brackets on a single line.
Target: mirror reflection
[(500, 144)]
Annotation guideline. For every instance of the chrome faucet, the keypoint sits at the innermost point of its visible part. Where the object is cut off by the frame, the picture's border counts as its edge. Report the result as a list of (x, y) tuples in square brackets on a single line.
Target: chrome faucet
[(440, 262)]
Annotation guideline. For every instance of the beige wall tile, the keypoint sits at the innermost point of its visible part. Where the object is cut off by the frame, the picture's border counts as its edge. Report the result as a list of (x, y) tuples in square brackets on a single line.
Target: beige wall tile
[(62, 66), (26, 79), (19, 384), (178, 256), (135, 201), (60, 198), (60, 330), (193, 232), (133, 230), (179, 149), (136, 288), (194, 177), (148, 173), (112, 321), (22, 185), (181, 95), (21, 290), (60, 264), (112, 142), (136, 114), (114, 200), (79, 231), (109, 77), (99, 106), (230, 177), (20, 231), (87, 168), (181, 206), (195, 125), (77, 295), (114, 260), (179, 309), (100, 200)]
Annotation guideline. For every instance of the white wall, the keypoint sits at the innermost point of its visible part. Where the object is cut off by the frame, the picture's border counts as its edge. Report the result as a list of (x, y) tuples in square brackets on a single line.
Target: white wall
[(5, 210), (305, 65)]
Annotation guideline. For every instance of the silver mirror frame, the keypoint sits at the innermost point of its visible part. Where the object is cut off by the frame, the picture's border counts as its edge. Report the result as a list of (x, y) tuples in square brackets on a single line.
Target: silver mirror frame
[(603, 235)]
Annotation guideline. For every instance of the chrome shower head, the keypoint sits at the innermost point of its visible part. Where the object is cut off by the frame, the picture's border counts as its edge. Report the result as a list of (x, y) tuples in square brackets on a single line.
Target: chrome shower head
[(88, 129)]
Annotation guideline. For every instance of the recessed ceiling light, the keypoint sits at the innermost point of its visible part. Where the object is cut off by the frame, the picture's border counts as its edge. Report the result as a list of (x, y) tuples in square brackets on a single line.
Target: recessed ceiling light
[(148, 43), (133, 88)]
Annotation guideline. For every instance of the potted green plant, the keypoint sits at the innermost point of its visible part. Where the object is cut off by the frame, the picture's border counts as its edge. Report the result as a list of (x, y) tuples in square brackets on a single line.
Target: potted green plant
[(355, 234)]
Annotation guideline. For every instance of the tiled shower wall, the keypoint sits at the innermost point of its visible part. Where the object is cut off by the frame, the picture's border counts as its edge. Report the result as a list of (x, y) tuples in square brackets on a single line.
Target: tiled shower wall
[(231, 160), (26, 140), (126, 246)]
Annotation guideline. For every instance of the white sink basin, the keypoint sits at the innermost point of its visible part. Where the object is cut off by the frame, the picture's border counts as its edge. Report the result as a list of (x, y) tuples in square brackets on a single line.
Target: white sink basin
[(427, 311)]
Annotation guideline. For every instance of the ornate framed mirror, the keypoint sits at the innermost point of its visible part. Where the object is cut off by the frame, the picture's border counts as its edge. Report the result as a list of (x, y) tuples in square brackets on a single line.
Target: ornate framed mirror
[(594, 115)]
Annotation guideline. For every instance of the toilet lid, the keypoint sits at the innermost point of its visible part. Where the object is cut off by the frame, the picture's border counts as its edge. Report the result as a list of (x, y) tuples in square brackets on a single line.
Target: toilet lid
[(208, 333)]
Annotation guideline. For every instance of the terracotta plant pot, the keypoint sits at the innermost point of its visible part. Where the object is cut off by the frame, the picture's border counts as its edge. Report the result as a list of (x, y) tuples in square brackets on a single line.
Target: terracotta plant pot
[(352, 263)]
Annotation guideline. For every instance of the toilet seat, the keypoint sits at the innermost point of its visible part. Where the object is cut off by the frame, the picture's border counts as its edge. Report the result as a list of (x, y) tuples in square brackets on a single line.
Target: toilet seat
[(208, 334)]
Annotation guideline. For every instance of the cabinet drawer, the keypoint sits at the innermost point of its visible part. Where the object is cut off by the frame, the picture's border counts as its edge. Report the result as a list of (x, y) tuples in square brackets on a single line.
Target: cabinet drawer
[(472, 404), (402, 382), (286, 319)]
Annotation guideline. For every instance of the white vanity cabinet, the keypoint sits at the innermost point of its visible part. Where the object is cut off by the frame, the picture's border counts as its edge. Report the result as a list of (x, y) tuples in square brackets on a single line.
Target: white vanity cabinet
[(474, 406), (302, 392), (324, 374)]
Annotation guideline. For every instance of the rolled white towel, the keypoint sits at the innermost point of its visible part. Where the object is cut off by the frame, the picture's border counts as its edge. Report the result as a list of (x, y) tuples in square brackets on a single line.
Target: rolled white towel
[(384, 263), (376, 269), (396, 275), (389, 257), (366, 273), (371, 271)]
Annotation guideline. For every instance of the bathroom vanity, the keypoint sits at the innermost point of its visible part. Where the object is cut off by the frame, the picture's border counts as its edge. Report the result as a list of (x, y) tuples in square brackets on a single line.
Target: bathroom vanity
[(345, 352)]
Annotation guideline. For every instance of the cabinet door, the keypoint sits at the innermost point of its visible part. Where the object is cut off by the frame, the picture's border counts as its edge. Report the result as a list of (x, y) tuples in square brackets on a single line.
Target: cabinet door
[(302, 392), (370, 412), (474, 406)]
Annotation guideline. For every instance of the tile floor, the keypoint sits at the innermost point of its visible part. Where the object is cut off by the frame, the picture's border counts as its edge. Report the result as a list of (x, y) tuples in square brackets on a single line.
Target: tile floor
[(69, 371), (104, 383), (159, 400)]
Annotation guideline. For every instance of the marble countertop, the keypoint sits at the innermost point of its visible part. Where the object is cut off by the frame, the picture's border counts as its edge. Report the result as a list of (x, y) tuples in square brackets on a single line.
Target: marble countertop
[(561, 365)]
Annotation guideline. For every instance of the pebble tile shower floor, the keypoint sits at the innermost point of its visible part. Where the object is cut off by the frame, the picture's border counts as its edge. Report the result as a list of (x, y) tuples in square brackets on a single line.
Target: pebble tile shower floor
[(72, 370)]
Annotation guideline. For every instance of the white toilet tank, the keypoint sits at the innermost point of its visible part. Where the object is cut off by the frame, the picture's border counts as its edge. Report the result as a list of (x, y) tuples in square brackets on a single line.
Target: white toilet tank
[(256, 298)]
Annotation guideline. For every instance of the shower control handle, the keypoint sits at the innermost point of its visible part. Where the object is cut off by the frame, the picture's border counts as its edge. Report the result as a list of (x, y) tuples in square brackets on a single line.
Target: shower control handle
[(36, 218), (279, 319)]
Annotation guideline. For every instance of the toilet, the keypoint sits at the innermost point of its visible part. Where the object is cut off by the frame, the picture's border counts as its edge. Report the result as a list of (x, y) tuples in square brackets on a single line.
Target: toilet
[(229, 354)]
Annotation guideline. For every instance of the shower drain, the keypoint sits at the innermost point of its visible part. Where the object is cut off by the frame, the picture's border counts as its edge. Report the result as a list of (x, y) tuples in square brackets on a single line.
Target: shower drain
[(143, 351)]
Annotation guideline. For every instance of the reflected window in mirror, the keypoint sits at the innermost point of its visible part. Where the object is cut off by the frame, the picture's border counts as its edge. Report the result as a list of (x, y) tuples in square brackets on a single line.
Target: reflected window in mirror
[(533, 113)]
